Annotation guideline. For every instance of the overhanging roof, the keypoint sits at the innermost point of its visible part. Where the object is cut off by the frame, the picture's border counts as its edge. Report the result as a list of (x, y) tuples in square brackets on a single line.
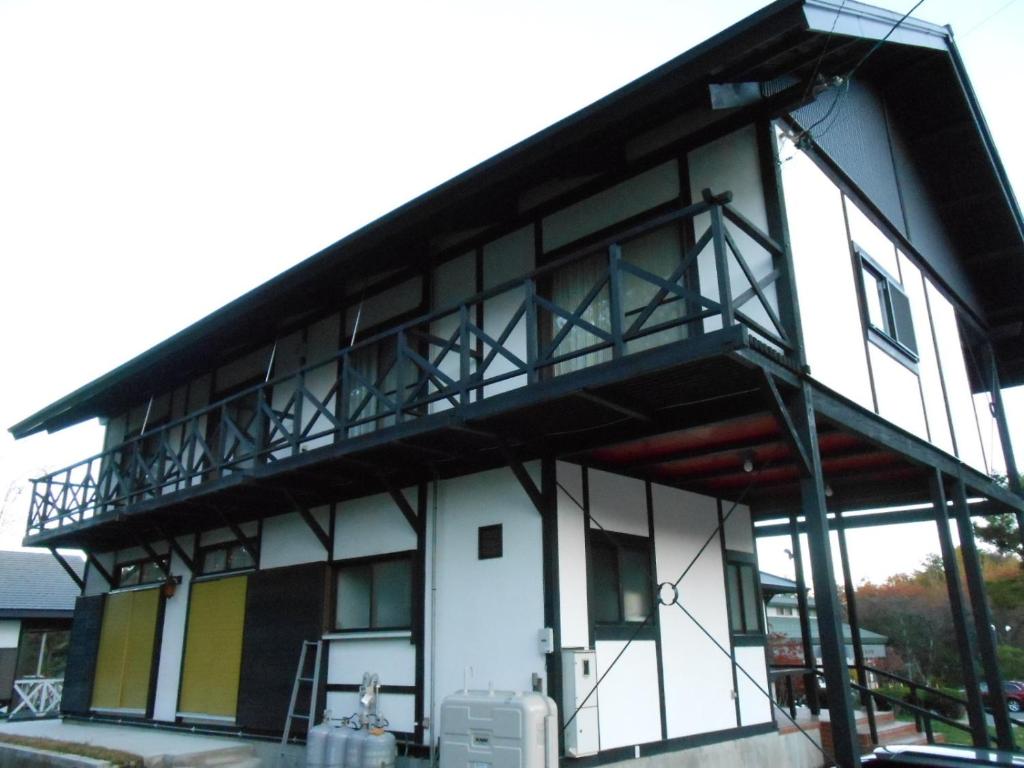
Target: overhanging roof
[(786, 37)]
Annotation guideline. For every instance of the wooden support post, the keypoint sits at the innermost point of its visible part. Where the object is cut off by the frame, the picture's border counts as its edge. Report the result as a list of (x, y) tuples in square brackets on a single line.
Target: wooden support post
[(964, 632)]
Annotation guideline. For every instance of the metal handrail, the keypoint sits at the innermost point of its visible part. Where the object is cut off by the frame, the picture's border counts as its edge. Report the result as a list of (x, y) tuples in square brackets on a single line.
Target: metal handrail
[(285, 416), (923, 716)]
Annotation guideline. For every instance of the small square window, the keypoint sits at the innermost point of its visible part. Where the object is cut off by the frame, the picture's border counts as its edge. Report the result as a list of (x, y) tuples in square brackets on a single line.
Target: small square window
[(489, 542), (621, 591), (374, 595)]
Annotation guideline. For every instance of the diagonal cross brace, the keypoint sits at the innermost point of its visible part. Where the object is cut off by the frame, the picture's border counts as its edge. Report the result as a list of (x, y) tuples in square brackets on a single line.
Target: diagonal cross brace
[(402, 503), (307, 517), (247, 544), (67, 567), (786, 422), (165, 568), (177, 549), (98, 567), (536, 497)]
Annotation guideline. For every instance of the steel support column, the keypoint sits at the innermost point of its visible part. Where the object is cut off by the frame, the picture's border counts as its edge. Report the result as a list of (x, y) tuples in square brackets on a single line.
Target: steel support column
[(552, 599), (810, 679), (1012, 471), (982, 615), (858, 647), (964, 632), (826, 599)]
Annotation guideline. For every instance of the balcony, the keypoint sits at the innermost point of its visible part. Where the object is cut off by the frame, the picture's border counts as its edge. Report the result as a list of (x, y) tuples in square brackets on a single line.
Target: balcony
[(606, 315)]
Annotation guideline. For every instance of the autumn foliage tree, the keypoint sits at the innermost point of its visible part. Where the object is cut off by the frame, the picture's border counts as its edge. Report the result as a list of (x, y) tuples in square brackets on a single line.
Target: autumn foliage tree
[(913, 611)]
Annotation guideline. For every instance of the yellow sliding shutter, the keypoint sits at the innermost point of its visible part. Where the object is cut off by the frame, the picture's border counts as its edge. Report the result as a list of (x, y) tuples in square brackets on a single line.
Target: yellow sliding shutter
[(213, 648), (124, 664)]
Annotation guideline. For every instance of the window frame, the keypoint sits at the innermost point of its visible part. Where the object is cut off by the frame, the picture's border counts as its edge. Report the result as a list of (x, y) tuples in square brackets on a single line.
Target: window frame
[(620, 629), (887, 337), (744, 635), (141, 562), (204, 551), (356, 562)]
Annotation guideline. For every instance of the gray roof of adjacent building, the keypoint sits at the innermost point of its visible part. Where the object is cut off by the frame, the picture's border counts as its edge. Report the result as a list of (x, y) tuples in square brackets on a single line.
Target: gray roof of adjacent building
[(790, 627), (33, 584)]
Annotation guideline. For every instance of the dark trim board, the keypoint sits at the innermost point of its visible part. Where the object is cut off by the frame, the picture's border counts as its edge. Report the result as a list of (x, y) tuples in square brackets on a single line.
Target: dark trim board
[(664, 746)]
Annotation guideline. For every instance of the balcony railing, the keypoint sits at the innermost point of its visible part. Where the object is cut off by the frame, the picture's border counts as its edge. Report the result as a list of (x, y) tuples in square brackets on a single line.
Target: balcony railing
[(599, 303)]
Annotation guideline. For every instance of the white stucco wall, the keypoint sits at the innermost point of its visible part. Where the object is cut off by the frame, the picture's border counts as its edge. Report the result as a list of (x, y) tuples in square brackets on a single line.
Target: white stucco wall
[(172, 643), (572, 558), (10, 632), (698, 676), (488, 612), (287, 540)]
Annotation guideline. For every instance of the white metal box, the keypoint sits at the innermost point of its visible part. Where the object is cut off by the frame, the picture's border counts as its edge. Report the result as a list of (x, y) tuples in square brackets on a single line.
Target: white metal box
[(579, 676), (499, 729)]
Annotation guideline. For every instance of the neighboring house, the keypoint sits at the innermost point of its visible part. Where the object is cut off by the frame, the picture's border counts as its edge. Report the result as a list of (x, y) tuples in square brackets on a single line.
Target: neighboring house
[(537, 410), (37, 601), (783, 615)]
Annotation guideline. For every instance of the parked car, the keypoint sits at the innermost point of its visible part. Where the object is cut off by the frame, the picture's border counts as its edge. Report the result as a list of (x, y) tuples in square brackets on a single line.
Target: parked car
[(896, 755), (1013, 691)]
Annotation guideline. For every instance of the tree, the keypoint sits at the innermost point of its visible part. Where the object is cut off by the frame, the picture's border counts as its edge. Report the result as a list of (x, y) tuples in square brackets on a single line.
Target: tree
[(1000, 531)]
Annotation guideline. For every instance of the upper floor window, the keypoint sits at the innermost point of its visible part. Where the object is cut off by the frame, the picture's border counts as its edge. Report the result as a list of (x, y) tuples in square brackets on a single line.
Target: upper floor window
[(886, 307), (230, 556), (144, 571), (374, 594)]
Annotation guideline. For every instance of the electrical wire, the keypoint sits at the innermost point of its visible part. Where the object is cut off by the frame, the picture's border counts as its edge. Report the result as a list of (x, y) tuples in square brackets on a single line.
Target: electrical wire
[(836, 107), (824, 50), (988, 18), (878, 45)]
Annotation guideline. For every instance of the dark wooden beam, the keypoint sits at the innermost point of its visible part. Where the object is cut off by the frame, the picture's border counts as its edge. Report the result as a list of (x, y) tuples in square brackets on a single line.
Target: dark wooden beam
[(165, 568), (626, 409), (321, 535), (873, 519), (67, 567), (177, 549), (536, 497), (307, 517), (247, 544), (402, 503), (781, 411), (98, 567)]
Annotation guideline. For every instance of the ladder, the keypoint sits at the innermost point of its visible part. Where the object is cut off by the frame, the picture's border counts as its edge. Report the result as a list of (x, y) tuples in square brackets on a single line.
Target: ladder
[(302, 677)]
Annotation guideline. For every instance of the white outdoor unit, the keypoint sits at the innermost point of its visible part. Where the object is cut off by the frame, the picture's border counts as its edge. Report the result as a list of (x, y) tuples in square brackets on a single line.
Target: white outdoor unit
[(499, 729), (579, 676)]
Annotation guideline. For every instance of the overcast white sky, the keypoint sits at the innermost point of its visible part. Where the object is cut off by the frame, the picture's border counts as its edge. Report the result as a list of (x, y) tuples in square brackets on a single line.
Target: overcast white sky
[(157, 159)]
